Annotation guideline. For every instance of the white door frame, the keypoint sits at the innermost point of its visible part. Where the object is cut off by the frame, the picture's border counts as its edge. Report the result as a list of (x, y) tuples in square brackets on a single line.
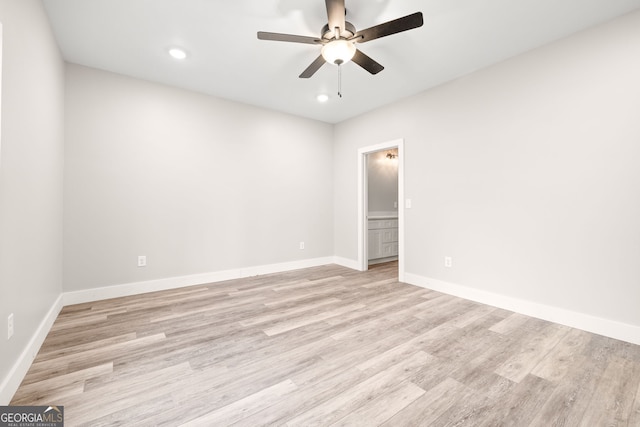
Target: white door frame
[(363, 262)]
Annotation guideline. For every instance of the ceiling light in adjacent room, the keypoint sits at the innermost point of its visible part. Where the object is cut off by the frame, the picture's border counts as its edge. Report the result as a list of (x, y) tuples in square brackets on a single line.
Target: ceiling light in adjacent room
[(177, 53)]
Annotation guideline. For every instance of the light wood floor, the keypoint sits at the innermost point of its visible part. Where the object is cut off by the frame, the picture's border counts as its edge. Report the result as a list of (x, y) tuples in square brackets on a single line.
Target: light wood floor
[(326, 346)]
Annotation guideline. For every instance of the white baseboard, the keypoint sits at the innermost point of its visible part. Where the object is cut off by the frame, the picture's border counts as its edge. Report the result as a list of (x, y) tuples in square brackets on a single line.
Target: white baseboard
[(116, 291), (15, 376), (586, 322), (346, 262)]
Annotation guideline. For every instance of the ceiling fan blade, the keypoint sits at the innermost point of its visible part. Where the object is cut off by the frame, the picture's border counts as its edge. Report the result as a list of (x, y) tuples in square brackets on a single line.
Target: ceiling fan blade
[(336, 13), (279, 37), (399, 25), (367, 63), (311, 69)]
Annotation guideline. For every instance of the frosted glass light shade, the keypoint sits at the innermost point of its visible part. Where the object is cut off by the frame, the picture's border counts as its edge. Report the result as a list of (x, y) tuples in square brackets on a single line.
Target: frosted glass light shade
[(338, 51)]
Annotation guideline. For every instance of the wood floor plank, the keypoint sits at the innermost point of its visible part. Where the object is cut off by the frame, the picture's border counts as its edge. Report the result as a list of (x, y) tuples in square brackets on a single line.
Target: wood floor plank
[(80, 348), (305, 284), (344, 403), (95, 356), (60, 384), (306, 320), (410, 346), (219, 390), (431, 405), (95, 319), (463, 343), (326, 345), (634, 416), (115, 396), (478, 369), (319, 384), (379, 283), (362, 350), (478, 406), (532, 353), (304, 294), (44, 397), (382, 408), (242, 408), (473, 315), (376, 307), (571, 398), (364, 327), (562, 357), (279, 315), (520, 405), (135, 416), (613, 398), (513, 322)]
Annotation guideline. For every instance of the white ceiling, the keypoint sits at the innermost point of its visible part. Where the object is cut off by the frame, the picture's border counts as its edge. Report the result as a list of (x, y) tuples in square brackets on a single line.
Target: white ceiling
[(227, 60)]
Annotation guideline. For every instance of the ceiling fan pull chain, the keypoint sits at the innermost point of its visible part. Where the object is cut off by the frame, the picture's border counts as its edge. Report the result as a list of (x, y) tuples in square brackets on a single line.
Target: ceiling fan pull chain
[(339, 81)]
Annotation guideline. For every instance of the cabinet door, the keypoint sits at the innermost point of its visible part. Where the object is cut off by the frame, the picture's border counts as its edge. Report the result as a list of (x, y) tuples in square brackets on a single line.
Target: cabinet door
[(375, 244), (390, 249), (390, 235), (390, 223)]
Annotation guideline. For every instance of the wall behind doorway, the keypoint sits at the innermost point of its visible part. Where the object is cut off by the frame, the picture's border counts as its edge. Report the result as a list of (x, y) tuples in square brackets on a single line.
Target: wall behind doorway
[(382, 188)]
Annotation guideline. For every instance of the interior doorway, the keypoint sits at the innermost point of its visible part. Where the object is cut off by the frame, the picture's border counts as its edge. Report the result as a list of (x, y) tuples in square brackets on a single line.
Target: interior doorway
[(395, 146)]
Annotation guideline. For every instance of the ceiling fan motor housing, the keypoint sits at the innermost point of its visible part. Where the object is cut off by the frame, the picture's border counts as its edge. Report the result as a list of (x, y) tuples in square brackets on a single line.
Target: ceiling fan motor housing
[(329, 34)]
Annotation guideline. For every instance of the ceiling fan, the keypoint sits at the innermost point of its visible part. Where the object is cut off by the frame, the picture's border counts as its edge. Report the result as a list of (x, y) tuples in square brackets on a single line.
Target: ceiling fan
[(338, 38)]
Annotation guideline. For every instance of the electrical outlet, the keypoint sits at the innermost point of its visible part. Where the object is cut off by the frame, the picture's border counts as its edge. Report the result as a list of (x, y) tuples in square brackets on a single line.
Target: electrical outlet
[(10, 326), (142, 261), (301, 245), (448, 261)]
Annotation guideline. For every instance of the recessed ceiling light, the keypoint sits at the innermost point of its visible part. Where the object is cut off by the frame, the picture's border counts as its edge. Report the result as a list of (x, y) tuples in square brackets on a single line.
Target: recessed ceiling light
[(322, 97), (177, 53)]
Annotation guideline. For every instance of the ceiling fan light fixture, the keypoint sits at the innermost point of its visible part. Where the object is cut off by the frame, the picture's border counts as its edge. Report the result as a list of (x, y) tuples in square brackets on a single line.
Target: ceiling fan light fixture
[(338, 51)]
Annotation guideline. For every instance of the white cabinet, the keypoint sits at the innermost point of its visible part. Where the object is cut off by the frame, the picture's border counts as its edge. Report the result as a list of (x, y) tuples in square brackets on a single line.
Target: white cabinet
[(383, 238)]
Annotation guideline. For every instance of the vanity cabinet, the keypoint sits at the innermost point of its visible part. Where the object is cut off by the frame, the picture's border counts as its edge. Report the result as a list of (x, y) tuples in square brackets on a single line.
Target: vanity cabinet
[(383, 238)]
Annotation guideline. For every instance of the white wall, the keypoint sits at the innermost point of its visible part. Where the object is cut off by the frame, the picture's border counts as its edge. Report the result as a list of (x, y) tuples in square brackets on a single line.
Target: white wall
[(195, 183), (382, 182), (31, 165), (526, 173)]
